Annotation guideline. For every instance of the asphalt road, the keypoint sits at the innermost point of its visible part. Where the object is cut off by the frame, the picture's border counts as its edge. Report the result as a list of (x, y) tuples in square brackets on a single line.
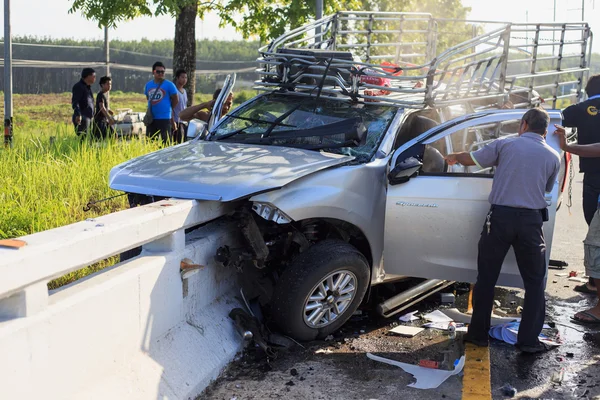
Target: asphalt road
[(339, 368)]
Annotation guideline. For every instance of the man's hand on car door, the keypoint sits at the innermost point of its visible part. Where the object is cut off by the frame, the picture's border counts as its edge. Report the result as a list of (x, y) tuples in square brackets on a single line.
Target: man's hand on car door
[(451, 159)]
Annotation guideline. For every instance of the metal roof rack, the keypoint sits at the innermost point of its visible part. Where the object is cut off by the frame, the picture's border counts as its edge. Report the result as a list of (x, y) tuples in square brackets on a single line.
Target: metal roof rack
[(392, 58)]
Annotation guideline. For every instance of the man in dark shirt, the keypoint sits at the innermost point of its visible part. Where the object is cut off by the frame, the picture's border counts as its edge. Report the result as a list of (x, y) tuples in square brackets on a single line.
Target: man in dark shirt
[(585, 116), (103, 119), (83, 101)]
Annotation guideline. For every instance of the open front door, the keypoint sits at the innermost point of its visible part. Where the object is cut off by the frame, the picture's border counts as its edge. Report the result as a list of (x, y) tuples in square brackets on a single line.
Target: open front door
[(434, 220), (220, 101)]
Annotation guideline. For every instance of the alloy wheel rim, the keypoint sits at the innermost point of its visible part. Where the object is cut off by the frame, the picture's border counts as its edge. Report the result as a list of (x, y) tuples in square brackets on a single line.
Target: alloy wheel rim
[(329, 299)]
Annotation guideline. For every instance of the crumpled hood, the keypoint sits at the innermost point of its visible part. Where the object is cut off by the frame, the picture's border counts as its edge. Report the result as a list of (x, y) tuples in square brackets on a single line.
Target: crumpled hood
[(218, 171)]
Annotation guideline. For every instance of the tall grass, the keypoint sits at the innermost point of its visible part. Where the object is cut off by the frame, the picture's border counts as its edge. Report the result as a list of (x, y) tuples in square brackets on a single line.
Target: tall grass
[(48, 177), (46, 183)]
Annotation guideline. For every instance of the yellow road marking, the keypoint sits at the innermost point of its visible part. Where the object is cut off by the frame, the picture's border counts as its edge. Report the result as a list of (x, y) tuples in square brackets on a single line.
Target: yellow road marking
[(476, 379)]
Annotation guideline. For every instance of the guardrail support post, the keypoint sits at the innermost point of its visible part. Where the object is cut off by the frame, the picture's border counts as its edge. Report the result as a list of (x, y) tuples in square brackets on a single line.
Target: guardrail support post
[(31, 300), (173, 242)]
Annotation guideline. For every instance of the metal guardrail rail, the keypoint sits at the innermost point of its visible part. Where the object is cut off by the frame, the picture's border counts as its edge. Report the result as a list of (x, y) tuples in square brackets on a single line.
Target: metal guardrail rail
[(394, 58)]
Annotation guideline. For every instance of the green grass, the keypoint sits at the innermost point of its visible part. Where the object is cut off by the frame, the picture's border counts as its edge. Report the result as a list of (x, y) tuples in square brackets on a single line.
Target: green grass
[(50, 174)]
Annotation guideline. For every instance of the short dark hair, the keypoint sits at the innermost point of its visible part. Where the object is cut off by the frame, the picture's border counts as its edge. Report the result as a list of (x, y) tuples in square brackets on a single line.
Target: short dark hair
[(216, 94), (158, 64), (537, 120), (105, 79), (179, 72), (593, 86), (87, 72)]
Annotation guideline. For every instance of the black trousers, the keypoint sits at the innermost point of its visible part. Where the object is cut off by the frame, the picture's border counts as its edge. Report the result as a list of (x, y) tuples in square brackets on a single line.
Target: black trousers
[(520, 229), (160, 127), (83, 127)]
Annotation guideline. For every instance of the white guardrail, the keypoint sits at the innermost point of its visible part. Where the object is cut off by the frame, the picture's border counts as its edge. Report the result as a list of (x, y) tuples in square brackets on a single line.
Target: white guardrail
[(137, 330)]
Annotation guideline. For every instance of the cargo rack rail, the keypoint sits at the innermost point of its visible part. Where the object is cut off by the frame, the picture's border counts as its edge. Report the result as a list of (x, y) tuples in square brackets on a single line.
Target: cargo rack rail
[(392, 57)]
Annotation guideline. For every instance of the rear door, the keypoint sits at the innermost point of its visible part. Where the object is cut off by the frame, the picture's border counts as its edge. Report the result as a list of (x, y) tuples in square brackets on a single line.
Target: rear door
[(433, 221)]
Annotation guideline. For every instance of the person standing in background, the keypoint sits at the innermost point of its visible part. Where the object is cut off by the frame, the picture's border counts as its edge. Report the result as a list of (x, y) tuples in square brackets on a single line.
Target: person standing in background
[(103, 119), (585, 116), (162, 98), (180, 82), (82, 101)]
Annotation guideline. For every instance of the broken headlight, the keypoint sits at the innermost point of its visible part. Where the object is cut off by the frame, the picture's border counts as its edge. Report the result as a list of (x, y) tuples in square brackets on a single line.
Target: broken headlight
[(271, 213)]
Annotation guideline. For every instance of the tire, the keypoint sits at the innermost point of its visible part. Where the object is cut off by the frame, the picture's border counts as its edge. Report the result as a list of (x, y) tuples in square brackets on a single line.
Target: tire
[(330, 258)]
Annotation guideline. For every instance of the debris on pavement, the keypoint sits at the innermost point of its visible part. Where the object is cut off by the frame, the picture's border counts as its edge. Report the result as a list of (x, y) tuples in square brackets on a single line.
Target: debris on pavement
[(447, 298), (324, 351), (329, 338), (580, 280), (409, 317), (558, 376), (452, 330), (426, 378), (497, 303), (508, 390), (572, 274), (408, 331), (458, 316), (508, 333), (429, 364), (437, 316), (562, 274), (443, 326)]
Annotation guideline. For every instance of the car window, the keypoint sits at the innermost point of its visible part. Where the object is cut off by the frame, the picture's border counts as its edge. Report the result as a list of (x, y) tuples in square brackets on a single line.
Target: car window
[(271, 114), (468, 139)]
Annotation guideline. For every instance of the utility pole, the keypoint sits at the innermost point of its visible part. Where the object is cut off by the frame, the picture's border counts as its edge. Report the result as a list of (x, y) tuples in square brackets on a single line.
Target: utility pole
[(553, 32), (106, 51), (582, 10), (106, 56), (8, 106)]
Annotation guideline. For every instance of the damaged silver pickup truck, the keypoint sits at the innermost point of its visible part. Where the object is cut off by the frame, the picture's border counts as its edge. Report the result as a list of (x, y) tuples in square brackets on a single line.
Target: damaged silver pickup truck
[(337, 170)]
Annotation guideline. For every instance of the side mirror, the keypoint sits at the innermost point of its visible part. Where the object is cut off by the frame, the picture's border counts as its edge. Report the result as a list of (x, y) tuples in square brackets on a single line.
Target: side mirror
[(196, 128), (405, 170)]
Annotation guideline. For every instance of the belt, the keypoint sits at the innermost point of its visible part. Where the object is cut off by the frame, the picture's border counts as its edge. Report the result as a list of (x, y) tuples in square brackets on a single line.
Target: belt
[(517, 209)]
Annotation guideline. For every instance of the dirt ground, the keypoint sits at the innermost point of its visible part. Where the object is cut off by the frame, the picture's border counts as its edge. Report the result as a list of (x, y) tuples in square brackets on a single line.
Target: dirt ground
[(340, 369)]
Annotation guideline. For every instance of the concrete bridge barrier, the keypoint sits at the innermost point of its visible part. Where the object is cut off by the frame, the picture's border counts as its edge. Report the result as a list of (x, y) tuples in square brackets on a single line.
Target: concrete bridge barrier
[(137, 330)]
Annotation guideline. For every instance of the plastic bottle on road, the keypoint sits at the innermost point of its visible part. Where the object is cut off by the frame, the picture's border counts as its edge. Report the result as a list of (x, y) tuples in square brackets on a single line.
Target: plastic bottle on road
[(452, 330)]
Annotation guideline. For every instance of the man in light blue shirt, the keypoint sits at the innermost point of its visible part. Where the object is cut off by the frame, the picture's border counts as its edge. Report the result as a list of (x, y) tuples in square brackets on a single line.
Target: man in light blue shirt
[(162, 98)]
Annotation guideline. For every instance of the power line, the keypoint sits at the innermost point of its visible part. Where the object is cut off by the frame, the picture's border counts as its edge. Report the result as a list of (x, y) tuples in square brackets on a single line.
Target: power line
[(64, 46), (99, 64)]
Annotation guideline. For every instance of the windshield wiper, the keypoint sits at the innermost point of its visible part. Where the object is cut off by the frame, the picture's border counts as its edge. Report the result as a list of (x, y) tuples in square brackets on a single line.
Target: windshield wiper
[(228, 135), (261, 121)]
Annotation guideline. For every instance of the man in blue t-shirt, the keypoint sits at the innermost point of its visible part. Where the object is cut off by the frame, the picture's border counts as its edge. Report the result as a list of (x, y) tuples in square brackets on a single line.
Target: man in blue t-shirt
[(162, 102)]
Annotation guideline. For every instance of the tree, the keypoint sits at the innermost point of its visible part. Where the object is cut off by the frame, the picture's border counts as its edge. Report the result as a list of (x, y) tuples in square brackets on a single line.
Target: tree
[(184, 54), (110, 12)]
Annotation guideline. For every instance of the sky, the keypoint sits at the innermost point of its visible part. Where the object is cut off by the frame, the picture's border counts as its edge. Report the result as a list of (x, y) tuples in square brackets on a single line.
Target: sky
[(49, 18)]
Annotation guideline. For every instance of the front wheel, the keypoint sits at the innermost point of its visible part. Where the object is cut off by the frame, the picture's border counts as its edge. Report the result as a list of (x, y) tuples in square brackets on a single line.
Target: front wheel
[(320, 290)]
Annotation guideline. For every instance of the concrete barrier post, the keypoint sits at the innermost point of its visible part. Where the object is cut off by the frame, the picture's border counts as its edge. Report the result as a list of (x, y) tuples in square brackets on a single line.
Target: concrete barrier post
[(25, 303)]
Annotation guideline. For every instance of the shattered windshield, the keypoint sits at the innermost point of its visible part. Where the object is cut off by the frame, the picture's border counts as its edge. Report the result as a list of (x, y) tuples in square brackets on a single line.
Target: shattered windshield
[(275, 115)]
